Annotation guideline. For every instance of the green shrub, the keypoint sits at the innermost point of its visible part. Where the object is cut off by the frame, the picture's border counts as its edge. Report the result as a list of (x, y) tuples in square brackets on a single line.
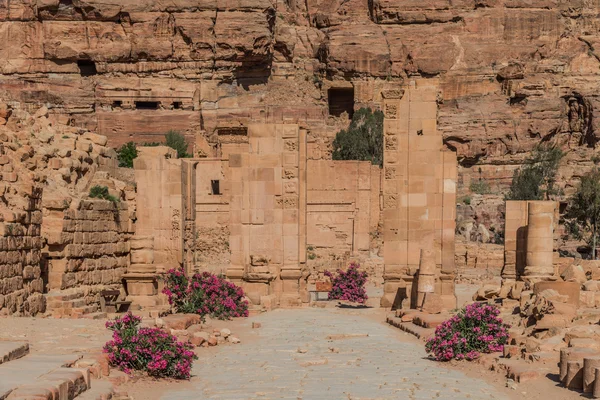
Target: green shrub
[(126, 154), (536, 179), (101, 192), (176, 141), (584, 210), (151, 144), (480, 187), (363, 140)]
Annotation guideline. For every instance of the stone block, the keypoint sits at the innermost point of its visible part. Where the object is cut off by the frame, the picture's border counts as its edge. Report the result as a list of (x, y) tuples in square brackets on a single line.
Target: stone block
[(570, 289), (181, 322)]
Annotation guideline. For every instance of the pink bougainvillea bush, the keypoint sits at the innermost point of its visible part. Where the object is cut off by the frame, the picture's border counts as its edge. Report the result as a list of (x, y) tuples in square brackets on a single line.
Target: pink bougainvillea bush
[(348, 285), (152, 350), (205, 294), (474, 330)]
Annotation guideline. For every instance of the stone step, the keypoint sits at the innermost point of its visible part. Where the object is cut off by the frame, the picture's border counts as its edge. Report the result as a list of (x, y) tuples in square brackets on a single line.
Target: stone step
[(100, 390), (10, 350), (29, 369), (62, 296), (430, 321), (67, 305), (60, 384), (95, 315), (81, 311), (409, 327)]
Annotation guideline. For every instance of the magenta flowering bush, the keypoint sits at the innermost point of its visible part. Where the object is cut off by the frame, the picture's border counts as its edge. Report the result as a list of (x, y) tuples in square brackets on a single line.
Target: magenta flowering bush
[(348, 285), (474, 330), (205, 294), (176, 289), (152, 350)]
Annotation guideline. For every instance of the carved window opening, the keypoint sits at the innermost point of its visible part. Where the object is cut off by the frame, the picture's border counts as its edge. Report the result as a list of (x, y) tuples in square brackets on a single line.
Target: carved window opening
[(177, 105), (235, 131), (341, 100), (215, 187), (117, 104), (87, 67), (146, 105)]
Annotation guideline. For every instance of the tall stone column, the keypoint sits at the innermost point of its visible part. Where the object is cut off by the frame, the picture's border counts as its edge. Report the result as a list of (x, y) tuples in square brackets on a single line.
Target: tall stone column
[(515, 239), (426, 279), (291, 272), (394, 186), (540, 241)]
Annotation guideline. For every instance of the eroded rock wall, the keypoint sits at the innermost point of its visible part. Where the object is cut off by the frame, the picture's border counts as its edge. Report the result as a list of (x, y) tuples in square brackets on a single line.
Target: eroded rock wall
[(513, 72), (53, 238), (21, 283)]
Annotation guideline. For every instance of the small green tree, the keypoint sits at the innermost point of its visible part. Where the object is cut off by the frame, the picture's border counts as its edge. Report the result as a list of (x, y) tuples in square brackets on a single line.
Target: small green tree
[(584, 209), (363, 140), (101, 192), (480, 187), (536, 180), (176, 140), (126, 154)]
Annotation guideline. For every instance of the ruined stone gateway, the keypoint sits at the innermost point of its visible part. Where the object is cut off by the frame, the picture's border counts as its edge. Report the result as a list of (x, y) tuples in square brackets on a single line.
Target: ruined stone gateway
[(259, 90), (470, 91)]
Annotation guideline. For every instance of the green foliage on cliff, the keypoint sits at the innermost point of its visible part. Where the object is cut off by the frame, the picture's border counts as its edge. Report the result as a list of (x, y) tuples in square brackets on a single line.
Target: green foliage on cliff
[(126, 154), (536, 179), (101, 192), (175, 140), (363, 140), (584, 209)]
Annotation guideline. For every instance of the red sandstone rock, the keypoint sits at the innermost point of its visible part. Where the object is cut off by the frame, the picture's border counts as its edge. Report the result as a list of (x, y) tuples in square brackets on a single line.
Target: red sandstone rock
[(181, 321)]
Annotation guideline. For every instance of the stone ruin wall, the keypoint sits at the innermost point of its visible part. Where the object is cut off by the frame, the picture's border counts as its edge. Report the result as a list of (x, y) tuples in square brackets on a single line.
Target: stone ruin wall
[(419, 200), (94, 255), (512, 74), (61, 247), (21, 282), (343, 216)]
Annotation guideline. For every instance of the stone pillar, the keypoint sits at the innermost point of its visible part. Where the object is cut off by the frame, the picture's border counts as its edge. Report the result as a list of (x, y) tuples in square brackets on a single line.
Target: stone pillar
[(291, 271), (188, 179), (426, 280), (395, 212), (158, 176), (266, 209), (515, 239), (419, 194), (540, 241), (302, 209), (141, 279)]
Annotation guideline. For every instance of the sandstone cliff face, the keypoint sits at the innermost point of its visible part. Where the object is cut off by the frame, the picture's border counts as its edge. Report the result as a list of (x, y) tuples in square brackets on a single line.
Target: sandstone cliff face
[(512, 73)]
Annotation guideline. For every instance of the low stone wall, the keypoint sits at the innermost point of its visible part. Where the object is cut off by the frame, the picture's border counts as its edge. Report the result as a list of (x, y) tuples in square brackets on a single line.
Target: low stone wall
[(97, 255), (478, 261), (21, 283)]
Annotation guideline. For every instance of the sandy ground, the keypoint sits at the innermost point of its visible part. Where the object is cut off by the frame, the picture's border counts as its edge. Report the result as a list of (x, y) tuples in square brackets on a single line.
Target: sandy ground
[(66, 336)]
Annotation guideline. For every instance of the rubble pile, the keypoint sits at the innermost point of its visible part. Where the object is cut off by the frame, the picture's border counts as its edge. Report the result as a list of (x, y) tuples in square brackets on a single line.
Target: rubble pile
[(52, 233), (554, 322)]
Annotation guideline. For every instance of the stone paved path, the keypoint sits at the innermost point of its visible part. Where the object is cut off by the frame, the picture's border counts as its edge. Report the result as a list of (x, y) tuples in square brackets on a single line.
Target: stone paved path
[(293, 359)]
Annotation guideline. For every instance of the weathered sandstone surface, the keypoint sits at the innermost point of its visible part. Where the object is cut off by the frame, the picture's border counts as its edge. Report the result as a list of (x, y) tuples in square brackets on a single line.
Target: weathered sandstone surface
[(512, 72), (52, 237)]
